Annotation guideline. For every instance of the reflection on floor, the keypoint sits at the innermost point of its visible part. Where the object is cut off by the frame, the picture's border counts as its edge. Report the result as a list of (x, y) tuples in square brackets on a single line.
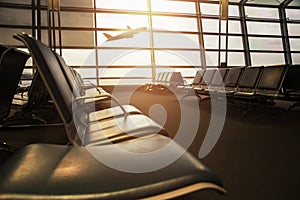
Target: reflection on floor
[(257, 156)]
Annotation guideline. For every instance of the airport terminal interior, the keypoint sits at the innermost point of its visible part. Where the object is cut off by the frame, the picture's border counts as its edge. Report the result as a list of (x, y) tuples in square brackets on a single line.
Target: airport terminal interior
[(150, 99)]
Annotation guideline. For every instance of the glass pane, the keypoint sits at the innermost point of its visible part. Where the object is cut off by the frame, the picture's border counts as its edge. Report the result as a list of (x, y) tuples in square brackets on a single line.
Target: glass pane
[(209, 9), (73, 3), (267, 58), (212, 42), (184, 71), (233, 27), (234, 42), (295, 44), (176, 40), (212, 58), (79, 38), (9, 16), (293, 14), (125, 72), (122, 4), (293, 29), (212, 25), (87, 72), (265, 43), (17, 1), (259, 12), (80, 57), (121, 20), (7, 33), (123, 57), (177, 58), (173, 6), (77, 19), (213, 9), (236, 59), (263, 28), (124, 81), (233, 11), (174, 23), (77, 3), (296, 58)]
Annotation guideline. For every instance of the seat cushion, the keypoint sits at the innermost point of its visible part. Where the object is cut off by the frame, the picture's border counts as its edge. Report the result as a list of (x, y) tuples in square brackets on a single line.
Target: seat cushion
[(114, 112), (56, 172), (120, 128)]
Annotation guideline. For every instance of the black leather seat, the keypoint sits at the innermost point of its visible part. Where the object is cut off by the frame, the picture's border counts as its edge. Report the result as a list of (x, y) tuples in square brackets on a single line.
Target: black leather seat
[(44, 171), (248, 83), (232, 79), (12, 63), (81, 125), (291, 86), (271, 81)]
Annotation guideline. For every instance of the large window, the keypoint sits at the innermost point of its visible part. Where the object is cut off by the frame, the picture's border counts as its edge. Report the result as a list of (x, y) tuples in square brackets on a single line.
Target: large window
[(172, 37), (232, 53), (264, 35)]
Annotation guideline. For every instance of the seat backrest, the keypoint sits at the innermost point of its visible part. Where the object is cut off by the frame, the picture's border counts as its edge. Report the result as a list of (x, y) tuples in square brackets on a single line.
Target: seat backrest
[(219, 77), (3, 48), (207, 78), (250, 77), (167, 80), (54, 79), (74, 81), (198, 77), (272, 78), (158, 77), (292, 79), (163, 77), (233, 77), (12, 63), (172, 79), (37, 94), (176, 79)]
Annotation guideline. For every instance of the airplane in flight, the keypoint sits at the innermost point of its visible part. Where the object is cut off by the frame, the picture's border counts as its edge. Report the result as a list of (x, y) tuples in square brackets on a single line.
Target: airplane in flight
[(127, 34)]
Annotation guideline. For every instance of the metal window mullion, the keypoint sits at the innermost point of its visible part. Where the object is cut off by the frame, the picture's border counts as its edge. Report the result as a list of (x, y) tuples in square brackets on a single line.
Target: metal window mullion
[(200, 34), (39, 19), (96, 44), (284, 32), (33, 17), (244, 32), (152, 54)]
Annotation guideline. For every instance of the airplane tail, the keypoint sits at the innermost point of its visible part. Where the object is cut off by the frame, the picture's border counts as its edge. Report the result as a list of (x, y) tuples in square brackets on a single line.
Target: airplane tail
[(107, 35)]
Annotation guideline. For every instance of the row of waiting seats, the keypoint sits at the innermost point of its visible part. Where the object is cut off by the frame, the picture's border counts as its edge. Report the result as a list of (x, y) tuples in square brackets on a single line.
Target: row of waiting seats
[(71, 171), (260, 84), (164, 81)]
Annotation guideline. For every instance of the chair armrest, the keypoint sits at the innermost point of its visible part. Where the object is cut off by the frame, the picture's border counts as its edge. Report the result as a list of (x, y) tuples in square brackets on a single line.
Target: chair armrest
[(106, 95)]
